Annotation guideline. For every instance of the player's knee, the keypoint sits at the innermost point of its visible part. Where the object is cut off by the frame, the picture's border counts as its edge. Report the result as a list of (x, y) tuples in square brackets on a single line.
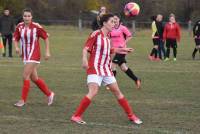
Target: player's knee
[(124, 68)]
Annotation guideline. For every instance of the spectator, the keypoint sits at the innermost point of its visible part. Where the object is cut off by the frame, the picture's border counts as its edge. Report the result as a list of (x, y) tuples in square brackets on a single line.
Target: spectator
[(7, 27)]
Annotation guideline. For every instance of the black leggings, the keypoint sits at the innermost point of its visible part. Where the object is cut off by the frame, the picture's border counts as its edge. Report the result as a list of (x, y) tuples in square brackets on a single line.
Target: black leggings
[(171, 43), (9, 39)]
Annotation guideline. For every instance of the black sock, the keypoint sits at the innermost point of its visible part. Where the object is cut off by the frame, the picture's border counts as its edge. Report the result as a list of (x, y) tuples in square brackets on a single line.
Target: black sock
[(194, 52), (167, 52), (114, 72), (156, 53), (130, 73), (175, 51), (152, 51)]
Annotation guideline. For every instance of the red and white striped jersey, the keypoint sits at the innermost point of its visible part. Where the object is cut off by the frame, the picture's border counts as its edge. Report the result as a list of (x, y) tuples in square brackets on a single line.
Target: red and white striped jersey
[(99, 48), (29, 39)]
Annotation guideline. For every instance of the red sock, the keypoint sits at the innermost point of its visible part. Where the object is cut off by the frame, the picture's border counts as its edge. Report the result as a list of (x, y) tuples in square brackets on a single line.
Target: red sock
[(43, 87), (25, 90), (85, 102), (125, 105)]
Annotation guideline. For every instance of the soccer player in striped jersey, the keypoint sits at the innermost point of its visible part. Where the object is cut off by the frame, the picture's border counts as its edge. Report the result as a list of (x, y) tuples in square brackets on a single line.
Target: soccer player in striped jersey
[(120, 35), (196, 34), (28, 33), (99, 71)]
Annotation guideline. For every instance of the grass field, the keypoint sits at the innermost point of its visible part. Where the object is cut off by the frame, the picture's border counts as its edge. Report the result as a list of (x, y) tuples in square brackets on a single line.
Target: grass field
[(168, 102)]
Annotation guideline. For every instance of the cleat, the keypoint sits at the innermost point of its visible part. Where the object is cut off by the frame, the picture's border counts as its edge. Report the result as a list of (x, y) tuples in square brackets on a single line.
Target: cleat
[(135, 120), (78, 120), (193, 56), (50, 98), (157, 59), (174, 59), (138, 83), (166, 59), (20, 103), (151, 58)]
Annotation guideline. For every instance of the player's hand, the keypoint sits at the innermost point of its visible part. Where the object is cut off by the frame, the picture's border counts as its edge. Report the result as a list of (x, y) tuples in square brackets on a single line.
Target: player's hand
[(195, 36), (124, 50), (47, 56), (85, 64), (17, 50)]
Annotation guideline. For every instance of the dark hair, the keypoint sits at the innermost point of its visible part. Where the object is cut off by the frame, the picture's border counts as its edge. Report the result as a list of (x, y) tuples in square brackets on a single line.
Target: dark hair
[(105, 18), (27, 10), (6, 8), (153, 18), (118, 15)]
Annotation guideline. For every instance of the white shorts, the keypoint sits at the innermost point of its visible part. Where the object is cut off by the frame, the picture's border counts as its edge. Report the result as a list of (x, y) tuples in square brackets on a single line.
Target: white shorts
[(104, 80)]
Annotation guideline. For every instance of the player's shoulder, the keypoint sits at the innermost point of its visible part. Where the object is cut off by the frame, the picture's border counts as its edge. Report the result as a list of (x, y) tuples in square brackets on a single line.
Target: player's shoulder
[(20, 24), (94, 34), (36, 25)]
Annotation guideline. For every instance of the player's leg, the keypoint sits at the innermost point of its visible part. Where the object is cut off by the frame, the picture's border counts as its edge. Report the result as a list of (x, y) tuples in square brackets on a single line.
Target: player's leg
[(115, 62), (124, 103), (4, 38), (10, 45), (130, 73), (28, 69), (197, 42), (94, 82), (168, 49), (42, 86), (174, 45)]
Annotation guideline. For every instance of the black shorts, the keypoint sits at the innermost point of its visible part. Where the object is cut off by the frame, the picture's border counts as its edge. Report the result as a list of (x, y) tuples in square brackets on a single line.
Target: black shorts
[(156, 41), (119, 59), (197, 41), (171, 43)]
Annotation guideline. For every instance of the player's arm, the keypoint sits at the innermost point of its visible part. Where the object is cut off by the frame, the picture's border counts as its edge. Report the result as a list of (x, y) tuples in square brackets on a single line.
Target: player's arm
[(16, 38), (121, 50), (47, 49), (194, 29), (88, 48), (178, 33), (84, 58)]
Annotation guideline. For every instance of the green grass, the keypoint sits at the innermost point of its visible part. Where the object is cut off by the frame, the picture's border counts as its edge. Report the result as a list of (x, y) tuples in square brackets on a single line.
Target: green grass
[(168, 102)]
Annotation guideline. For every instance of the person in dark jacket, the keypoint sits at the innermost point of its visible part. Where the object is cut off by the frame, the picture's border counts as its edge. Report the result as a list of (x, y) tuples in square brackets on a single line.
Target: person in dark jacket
[(196, 34), (160, 30), (95, 23), (7, 27)]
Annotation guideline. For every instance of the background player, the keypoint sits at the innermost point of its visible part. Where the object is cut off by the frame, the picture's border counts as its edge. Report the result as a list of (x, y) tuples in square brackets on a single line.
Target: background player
[(171, 35), (196, 34), (156, 40), (120, 35), (29, 33), (99, 70)]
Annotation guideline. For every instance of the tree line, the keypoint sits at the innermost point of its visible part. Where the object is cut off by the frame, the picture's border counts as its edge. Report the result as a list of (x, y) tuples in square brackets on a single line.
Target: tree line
[(72, 9)]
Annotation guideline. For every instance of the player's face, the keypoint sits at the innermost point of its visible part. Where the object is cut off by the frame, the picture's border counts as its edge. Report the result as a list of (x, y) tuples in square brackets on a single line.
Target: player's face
[(109, 24), (6, 12), (27, 17), (172, 19), (159, 18), (116, 21)]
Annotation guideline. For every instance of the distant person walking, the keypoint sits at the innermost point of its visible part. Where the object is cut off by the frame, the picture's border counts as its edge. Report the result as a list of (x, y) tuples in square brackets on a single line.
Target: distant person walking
[(171, 35), (7, 27), (96, 21), (196, 34)]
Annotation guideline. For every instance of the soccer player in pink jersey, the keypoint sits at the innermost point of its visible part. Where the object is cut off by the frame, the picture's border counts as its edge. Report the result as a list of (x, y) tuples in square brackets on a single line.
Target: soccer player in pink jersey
[(28, 33), (120, 35), (99, 71)]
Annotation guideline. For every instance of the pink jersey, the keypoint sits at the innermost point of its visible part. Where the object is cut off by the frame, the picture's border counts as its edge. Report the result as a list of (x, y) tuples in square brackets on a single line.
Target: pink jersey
[(99, 61), (118, 36), (29, 39)]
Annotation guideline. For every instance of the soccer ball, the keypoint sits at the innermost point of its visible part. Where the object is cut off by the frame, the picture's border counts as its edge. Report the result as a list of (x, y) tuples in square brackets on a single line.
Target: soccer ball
[(131, 9)]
